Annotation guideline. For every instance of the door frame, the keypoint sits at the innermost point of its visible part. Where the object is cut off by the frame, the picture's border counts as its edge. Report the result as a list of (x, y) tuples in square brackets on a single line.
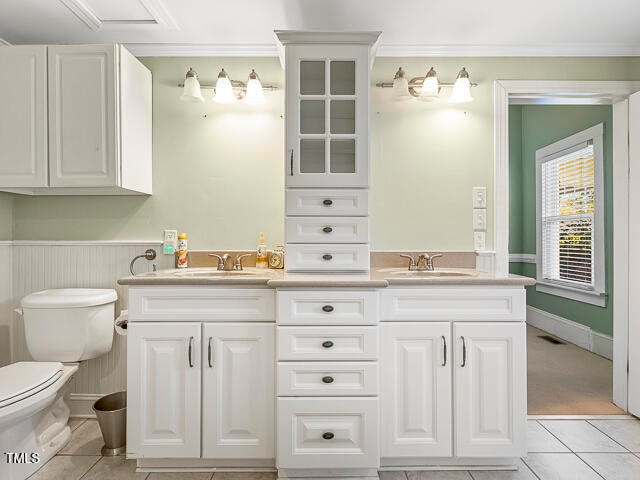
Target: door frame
[(568, 92)]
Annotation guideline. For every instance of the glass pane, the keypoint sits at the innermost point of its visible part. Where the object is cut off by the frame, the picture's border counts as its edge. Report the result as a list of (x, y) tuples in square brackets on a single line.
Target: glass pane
[(311, 156), (343, 77), (312, 116), (343, 116), (312, 77), (343, 156)]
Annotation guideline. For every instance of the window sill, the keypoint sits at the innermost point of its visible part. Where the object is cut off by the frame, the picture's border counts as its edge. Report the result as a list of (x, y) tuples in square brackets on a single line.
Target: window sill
[(586, 296)]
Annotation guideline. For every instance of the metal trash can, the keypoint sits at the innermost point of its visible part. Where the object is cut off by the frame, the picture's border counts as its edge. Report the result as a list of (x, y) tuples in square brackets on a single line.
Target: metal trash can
[(111, 412)]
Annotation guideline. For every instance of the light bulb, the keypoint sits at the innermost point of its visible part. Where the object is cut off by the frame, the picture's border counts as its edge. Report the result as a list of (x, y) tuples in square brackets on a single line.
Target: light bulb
[(461, 89), (255, 95), (430, 87), (191, 91), (224, 90), (401, 86)]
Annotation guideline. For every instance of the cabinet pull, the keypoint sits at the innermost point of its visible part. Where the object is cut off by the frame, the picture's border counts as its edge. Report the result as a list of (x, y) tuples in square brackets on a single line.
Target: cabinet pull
[(327, 229), (328, 435), (327, 257), (327, 308), (327, 344), (444, 355), (190, 351), (327, 379), (327, 202), (464, 353), (209, 353), (292, 162)]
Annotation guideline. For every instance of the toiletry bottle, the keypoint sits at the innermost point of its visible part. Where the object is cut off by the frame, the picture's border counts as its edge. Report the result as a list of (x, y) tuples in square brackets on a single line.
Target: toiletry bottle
[(182, 251), (261, 254)]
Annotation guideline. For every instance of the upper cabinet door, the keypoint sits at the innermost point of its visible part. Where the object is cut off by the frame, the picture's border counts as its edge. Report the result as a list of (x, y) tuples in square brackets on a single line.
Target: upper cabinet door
[(23, 116), (327, 111), (491, 389), (83, 116)]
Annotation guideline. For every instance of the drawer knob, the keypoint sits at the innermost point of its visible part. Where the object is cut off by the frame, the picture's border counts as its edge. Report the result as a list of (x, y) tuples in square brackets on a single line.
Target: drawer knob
[(327, 379), (327, 435), (327, 256), (327, 344), (327, 308), (327, 202), (327, 229)]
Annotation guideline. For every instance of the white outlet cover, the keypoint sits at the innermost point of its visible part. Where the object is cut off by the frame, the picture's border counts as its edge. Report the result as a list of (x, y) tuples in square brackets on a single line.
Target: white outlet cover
[(479, 197), (479, 219), (169, 239)]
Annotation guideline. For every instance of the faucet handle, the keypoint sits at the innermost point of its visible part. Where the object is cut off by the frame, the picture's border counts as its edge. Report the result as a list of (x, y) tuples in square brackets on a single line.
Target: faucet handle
[(238, 264), (430, 259), (220, 260), (412, 262)]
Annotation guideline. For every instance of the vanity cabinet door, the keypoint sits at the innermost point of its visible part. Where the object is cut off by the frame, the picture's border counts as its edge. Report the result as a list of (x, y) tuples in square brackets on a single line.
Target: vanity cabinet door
[(238, 382), (163, 384), (490, 378), (416, 389)]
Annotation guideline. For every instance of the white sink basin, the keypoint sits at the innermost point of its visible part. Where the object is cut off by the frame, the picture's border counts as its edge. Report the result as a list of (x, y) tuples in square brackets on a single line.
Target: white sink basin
[(403, 272), (215, 273)]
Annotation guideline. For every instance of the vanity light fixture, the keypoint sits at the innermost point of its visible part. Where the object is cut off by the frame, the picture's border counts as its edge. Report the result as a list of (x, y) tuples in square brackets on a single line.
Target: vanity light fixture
[(428, 88), (226, 90)]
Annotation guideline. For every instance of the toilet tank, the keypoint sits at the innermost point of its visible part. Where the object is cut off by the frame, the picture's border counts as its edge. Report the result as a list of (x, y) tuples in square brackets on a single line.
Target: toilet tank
[(69, 324)]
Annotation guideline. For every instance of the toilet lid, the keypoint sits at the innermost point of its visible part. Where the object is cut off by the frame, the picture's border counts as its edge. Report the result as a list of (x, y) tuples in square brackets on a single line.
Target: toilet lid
[(69, 298), (23, 379)]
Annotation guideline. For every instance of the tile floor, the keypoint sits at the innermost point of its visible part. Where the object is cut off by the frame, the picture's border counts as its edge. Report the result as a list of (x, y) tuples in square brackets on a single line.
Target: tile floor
[(558, 450)]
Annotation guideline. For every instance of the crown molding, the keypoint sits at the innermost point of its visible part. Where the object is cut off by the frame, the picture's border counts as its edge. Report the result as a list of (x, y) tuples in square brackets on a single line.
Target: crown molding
[(200, 50), (4, 42), (557, 50)]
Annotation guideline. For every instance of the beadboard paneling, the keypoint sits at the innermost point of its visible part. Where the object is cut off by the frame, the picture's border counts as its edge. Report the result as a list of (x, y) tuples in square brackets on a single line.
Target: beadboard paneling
[(43, 265)]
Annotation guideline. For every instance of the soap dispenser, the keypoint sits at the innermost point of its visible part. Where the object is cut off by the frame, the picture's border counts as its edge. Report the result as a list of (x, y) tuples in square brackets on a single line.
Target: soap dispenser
[(261, 254)]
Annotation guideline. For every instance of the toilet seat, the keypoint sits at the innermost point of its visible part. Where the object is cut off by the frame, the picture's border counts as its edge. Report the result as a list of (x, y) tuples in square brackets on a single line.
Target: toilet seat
[(24, 379)]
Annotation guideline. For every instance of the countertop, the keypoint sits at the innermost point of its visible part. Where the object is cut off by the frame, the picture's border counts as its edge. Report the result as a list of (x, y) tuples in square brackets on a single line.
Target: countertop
[(376, 278)]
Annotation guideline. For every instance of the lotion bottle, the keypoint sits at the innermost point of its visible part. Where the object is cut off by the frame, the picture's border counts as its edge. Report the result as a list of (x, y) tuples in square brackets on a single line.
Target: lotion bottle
[(261, 253)]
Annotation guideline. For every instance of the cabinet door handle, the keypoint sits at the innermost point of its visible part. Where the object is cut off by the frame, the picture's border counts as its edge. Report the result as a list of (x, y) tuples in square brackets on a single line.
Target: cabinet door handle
[(327, 344), (327, 202), (292, 162), (444, 355), (327, 379), (464, 352), (209, 353), (327, 229), (190, 351), (328, 435), (327, 257), (327, 308)]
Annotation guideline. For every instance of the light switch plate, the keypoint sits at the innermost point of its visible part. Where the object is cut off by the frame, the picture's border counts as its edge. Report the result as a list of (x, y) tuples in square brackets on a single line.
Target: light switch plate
[(169, 242), (479, 197), (479, 241), (479, 219)]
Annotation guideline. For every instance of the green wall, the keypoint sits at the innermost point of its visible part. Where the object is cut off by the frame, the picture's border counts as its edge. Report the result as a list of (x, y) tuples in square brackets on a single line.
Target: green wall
[(532, 127), (6, 216)]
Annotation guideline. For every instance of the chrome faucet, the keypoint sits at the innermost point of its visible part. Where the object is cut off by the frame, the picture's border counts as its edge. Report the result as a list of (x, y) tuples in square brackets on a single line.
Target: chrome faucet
[(224, 261), (238, 264), (424, 262)]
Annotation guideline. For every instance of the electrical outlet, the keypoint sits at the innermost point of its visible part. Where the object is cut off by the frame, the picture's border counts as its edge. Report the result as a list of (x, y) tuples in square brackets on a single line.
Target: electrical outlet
[(479, 241), (169, 242), (479, 219), (479, 197)]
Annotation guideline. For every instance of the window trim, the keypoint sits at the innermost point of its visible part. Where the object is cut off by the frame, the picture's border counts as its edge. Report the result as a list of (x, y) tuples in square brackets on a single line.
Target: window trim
[(597, 294)]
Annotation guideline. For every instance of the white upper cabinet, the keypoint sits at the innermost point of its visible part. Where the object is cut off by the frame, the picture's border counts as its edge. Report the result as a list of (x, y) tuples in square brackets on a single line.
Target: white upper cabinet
[(99, 122)]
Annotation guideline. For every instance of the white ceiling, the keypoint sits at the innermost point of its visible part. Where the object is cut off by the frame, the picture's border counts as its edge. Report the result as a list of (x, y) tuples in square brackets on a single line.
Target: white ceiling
[(409, 28)]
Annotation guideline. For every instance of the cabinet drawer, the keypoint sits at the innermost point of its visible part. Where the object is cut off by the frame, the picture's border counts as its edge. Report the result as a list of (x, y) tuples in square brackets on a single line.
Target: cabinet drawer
[(201, 303), (463, 304), (327, 229), (327, 378), (327, 202), (327, 343), (321, 432), (327, 307), (327, 257)]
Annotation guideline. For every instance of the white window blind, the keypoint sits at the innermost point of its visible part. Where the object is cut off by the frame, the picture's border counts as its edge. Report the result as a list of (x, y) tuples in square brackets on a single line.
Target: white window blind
[(567, 218)]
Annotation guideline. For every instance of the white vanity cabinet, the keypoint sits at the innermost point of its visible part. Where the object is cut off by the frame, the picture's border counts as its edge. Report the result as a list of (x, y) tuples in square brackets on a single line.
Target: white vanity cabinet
[(453, 387), (201, 375), (79, 123)]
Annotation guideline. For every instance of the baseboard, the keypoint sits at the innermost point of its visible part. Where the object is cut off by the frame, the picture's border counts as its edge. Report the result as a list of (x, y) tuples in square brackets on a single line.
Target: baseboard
[(80, 404), (571, 331)]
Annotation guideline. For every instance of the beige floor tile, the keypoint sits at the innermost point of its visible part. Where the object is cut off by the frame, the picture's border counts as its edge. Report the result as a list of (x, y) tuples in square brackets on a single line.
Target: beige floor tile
[(76, 422), (625, 432), (581, 436), (560, 466), (85, 440), (392, 475), (539, 440), (180, 476), (614, 466), (244, 476), (114, 468), (523, 473), (65, 467), (439, 475)]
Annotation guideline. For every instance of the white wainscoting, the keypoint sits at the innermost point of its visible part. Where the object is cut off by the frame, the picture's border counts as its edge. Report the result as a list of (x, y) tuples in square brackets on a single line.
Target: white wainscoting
[(6, 317), (41, 265)]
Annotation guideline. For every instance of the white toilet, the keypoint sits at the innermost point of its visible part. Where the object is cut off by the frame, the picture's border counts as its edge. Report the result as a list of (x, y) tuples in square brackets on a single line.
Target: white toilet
[(64, 325)]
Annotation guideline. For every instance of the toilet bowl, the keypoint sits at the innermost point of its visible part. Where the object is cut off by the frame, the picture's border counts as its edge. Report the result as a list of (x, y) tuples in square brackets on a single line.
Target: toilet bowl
[(64, 325)]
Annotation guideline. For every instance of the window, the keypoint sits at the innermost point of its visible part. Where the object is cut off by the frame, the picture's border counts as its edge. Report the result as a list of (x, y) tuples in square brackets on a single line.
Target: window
[(570, 222)]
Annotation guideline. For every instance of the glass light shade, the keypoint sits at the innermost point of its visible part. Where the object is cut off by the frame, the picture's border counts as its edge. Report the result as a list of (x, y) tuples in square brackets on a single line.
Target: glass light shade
[(191, 91), (430, 88), (254, 94), (401, 86), (224, 90), (461, 89)]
